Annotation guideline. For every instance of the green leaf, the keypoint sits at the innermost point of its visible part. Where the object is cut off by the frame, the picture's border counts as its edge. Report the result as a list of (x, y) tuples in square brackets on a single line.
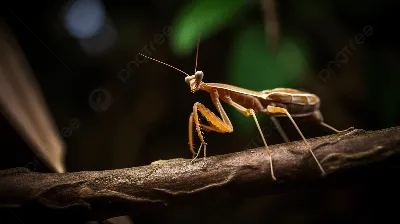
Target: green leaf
[(253, 65), (201, 18)]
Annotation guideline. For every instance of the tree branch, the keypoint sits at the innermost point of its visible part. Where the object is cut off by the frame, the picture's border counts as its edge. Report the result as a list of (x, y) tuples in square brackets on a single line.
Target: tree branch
[(112, 193)]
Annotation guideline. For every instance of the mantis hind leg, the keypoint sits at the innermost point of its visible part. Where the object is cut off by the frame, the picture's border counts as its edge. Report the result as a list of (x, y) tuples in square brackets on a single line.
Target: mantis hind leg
[(318, 116), (279, 110), (280, 129)]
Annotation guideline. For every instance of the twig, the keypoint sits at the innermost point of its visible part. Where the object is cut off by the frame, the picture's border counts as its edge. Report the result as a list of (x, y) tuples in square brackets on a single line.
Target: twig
[(112, 193), (271, 24)]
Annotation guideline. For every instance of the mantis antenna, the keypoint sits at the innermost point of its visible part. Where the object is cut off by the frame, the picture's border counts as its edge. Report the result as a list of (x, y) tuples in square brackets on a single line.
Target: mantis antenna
[(164, 64), (197, 54)]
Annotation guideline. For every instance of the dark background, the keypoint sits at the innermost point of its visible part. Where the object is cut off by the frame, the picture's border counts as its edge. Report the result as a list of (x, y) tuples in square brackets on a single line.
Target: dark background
[(148, 117)]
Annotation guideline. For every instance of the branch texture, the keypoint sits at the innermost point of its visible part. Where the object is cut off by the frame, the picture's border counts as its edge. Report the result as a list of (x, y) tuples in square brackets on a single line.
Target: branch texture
[(163, 183)]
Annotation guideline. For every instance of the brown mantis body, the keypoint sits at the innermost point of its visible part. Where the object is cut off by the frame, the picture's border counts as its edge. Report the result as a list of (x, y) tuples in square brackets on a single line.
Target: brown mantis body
[(275, 103)]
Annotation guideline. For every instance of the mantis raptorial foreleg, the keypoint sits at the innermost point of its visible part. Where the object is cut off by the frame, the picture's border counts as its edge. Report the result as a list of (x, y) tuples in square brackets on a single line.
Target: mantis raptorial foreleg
[(191, 134), (216, 124), (204, 127)]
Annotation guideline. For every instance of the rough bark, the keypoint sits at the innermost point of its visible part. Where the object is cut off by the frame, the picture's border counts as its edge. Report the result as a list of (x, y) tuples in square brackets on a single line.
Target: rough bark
[(133, 190)]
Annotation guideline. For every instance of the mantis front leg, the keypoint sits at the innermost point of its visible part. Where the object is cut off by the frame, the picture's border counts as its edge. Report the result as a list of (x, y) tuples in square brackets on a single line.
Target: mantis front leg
[(215, 123)]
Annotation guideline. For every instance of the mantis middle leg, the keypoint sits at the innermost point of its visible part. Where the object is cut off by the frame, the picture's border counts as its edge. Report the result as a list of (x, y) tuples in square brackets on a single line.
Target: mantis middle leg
[(247, 113), (273, 110)]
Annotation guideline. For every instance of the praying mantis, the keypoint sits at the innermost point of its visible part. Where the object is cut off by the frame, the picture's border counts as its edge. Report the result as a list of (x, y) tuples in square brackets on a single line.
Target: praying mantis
[(276, 102)]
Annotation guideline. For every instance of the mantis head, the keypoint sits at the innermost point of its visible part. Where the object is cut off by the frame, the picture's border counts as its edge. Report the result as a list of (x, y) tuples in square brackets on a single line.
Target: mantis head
[(194, 81)]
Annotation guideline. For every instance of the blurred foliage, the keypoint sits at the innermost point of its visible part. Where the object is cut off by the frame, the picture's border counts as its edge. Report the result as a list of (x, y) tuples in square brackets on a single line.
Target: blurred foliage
[(201, 18), (252, 63), (255, 65)]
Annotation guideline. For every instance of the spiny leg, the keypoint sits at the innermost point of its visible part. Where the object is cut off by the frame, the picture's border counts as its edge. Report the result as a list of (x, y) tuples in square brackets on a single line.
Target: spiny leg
[(196, 121), (205, 127), (280, 129), (248, 112), (216, 124), (191, 134), (279, 110)]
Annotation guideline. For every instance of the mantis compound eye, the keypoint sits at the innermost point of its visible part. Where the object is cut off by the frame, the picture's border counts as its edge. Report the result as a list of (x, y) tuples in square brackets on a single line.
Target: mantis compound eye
[(199, 75), (187, 80)]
